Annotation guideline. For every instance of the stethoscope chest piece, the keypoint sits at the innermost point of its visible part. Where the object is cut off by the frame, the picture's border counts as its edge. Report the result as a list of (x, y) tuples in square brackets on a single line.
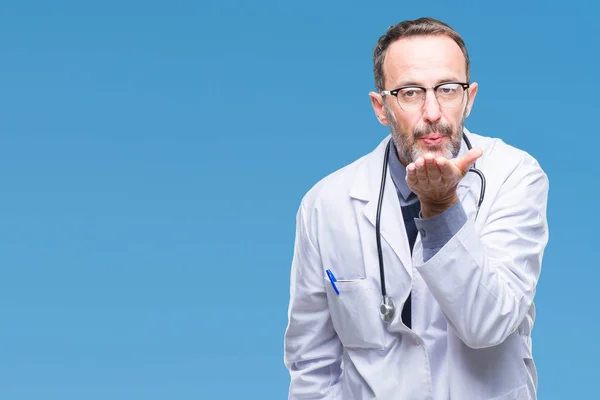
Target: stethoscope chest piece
[(387, 309)]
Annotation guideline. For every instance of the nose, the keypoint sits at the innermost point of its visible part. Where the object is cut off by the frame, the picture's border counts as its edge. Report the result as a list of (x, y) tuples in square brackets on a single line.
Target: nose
[(432, 112)]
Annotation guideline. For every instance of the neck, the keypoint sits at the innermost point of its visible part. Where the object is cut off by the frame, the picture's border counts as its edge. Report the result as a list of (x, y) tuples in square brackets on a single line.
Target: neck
[(401, 159)]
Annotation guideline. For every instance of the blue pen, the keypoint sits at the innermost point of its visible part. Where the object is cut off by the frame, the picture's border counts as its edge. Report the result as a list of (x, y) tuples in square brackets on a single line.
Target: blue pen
[(333, 280)]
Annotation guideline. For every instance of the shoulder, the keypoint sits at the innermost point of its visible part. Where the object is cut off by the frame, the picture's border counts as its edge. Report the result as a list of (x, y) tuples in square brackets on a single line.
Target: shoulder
[(513, 174), (334, 185), (501, 157), (334, 190)]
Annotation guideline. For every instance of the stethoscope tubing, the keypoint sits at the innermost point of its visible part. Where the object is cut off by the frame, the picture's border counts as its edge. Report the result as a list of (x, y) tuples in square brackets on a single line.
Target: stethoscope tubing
[(389, 311)]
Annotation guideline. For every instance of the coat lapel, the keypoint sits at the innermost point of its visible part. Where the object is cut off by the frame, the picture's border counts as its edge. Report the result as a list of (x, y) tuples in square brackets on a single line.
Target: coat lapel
[(468, 188), (366, 188)]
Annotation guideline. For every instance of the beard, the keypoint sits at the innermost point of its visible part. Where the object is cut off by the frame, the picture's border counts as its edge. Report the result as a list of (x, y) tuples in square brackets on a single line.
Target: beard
[(407, 146)]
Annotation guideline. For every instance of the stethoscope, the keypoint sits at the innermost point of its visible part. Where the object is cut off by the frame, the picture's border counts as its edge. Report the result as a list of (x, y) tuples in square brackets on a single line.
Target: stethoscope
[(387, 307)]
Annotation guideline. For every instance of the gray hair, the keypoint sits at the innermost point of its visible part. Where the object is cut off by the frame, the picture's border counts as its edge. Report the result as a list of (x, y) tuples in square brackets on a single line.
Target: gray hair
[(411, 28)]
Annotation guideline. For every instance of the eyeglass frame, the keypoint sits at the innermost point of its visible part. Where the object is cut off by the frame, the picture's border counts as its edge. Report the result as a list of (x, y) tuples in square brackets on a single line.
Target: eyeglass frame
[(394, 92)]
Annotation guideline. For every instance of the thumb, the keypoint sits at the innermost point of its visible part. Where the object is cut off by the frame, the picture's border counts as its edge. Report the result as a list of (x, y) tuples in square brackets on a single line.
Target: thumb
[(470, 157)]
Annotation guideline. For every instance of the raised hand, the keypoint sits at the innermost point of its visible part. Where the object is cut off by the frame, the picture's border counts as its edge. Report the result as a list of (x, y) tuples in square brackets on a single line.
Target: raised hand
[(435, 179)]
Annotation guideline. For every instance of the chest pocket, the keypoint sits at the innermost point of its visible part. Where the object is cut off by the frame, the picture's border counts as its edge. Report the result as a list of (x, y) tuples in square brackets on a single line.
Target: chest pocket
[(355, 313)]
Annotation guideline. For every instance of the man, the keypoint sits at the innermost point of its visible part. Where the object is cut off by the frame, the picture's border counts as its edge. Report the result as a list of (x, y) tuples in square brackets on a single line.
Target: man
[(462, 275)]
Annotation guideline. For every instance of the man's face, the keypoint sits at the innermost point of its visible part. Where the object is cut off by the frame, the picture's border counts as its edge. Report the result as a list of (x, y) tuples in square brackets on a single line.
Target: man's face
[(424, 61)]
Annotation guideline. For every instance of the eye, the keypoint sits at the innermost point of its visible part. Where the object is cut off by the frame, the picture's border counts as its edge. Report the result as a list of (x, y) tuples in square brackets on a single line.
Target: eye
[(449, 89), (409, 93)]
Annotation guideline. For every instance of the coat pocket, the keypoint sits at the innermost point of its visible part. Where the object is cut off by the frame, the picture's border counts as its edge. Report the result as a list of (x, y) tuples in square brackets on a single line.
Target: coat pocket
[(355, 313)]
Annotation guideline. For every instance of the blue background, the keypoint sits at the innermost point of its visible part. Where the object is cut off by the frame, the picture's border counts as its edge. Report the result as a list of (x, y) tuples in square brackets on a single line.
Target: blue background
[(153, 156)]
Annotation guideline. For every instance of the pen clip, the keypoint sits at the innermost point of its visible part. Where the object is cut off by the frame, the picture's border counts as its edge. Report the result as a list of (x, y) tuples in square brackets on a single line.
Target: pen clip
[(333, 281)]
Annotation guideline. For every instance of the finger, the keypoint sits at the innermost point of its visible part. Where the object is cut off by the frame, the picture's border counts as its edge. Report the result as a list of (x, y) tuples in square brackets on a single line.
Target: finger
[(411, 174), (469, 158), (433, 172), (447, 168), (421, 169)]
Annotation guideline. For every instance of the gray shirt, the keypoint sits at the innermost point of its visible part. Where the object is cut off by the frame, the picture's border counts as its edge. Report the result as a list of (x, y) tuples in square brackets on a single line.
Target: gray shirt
[(435, 231)]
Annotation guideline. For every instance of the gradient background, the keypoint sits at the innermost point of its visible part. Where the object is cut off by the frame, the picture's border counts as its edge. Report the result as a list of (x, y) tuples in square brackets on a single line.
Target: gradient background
[(153, 156)]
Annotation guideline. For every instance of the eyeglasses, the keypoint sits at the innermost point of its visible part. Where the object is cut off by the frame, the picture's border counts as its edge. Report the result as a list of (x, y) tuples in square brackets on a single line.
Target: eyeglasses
[(412, 98)]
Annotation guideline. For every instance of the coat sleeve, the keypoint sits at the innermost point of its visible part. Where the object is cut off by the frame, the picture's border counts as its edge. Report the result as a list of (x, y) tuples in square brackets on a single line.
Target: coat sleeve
[(312, 350), (485, 282)]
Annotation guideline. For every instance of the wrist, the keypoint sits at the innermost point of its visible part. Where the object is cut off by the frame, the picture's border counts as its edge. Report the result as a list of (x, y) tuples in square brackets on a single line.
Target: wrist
[(430, 209)]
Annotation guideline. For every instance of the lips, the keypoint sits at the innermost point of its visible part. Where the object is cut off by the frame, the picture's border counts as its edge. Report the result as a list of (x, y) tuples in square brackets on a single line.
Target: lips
[(433, 139)]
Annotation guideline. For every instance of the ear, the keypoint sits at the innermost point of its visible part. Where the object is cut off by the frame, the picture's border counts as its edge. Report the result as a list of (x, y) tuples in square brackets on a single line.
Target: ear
[(472, 93), (377, 103)]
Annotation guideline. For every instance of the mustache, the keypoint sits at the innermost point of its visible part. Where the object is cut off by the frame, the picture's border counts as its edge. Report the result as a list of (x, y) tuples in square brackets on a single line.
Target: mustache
[(444, 129)]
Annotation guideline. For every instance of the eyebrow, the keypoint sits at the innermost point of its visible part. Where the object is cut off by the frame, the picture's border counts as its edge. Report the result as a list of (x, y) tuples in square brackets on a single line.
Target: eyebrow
[(415, 83)]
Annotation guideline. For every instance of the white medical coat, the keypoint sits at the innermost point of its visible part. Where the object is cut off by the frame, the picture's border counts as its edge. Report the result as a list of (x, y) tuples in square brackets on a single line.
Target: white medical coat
[(475, 296)]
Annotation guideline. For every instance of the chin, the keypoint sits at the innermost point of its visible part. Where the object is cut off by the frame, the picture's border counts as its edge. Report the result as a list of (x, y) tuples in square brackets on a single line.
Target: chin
[(438, 151)]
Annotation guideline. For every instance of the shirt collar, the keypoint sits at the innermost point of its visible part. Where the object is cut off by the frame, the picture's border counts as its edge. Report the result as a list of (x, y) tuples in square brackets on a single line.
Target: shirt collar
[(398, 173)]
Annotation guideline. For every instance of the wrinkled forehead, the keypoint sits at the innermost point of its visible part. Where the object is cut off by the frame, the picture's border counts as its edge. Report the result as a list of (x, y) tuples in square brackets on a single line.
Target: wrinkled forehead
[(423, 60)]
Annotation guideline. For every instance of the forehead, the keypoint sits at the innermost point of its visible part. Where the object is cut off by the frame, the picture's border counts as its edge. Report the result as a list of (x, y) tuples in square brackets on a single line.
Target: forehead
[(425, 60)]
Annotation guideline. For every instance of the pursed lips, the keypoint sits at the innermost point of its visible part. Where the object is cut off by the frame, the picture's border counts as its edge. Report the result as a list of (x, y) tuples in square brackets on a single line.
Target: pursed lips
[(433, 138)]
